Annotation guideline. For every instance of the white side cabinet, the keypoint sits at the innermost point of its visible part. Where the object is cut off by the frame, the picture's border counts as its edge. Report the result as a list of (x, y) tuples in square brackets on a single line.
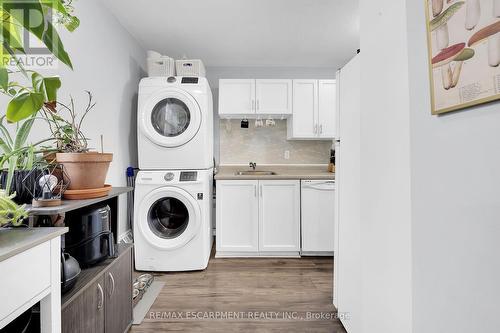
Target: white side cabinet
[(314, 107), (258, 218), (254, 97)]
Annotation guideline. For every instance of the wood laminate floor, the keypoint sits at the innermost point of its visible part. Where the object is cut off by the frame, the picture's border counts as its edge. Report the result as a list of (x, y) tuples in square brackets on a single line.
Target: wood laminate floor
[(247, 295)]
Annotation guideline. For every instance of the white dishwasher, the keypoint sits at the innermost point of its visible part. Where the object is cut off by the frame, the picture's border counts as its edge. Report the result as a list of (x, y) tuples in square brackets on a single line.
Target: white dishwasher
[(317, 217)]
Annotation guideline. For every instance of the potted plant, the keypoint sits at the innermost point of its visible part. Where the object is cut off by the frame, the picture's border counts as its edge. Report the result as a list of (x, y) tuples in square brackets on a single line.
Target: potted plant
[(18, 159), (85, 169)]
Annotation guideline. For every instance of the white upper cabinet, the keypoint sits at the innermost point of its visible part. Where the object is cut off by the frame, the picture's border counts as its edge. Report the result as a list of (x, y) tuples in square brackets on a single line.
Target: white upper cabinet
[(236, 97), (327, 97), (255, 97), (309, 105), (314, 105), (303, 124), (273, 97)]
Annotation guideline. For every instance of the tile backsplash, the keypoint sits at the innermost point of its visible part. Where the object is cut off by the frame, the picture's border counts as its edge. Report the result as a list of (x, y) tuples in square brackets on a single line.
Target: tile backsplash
[(267, 145)]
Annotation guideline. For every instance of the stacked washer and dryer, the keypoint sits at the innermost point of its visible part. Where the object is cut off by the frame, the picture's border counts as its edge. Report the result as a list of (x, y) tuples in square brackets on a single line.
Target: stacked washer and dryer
[(173, 194)]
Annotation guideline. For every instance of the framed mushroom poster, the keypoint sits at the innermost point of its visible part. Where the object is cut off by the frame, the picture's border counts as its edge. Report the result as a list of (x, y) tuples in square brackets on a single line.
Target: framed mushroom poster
[(464, 53)]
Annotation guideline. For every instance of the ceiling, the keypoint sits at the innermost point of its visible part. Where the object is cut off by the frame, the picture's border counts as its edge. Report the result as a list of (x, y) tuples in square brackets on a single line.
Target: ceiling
[(234, 33)]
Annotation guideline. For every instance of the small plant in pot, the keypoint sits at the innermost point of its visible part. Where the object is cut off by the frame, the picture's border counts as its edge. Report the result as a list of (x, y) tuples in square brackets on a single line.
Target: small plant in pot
[(18, 159), (85, 169)]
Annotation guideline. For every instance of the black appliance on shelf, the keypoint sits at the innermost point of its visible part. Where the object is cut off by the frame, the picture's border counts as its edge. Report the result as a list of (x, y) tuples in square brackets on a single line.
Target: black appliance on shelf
[(70, 270), (90, 239)]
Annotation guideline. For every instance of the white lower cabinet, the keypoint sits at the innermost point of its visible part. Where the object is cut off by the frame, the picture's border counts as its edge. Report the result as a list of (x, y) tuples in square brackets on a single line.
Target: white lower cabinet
[(279, 216), (258, 218), (237, 216)]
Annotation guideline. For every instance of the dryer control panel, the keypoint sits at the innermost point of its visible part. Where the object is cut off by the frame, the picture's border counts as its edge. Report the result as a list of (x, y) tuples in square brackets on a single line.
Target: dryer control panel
[(188, 176)]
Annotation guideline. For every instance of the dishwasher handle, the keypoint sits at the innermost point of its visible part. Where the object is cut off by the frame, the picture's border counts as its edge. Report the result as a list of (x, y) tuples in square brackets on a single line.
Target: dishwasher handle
[(321, 186)]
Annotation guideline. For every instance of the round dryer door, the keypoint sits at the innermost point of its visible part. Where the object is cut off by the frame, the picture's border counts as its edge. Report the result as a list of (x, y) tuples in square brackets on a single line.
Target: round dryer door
[(171, 118), (169, 218)]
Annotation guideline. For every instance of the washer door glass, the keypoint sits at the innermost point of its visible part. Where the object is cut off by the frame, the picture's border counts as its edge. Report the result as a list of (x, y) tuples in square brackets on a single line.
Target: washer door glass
[(168, 218), (170, 117)]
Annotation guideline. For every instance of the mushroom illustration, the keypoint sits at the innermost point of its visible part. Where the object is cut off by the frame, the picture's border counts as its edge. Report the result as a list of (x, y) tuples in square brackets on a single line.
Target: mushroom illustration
[(472, 14), (491, 34), (437, 7), (459, 61), (457, 53), (440, 24)]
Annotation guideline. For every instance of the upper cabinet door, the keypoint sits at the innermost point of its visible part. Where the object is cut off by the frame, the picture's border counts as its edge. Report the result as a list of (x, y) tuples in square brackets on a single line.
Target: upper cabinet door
[(274, 97), (236, 97), (327, 103), (305, 109)]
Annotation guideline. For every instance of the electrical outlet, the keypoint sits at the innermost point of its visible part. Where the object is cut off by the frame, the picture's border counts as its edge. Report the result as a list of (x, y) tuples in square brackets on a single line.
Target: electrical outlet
[(287, 154)]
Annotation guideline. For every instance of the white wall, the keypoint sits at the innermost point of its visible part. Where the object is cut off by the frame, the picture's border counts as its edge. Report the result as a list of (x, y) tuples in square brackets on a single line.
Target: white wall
[(430, 202), (455, 204), (216, 73), (108, 62), (385, 168)]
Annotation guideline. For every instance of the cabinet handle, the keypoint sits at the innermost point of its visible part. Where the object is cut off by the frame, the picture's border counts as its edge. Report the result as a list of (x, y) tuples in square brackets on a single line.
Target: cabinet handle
[(112, 279), (101, 296), (316, 129), (321, 129), (253, 104), (261, 191), (258, 104)]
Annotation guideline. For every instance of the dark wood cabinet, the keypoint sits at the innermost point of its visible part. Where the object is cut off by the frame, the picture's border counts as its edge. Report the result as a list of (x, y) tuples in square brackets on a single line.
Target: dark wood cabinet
[(86, 312), (101, 301), (118, 282)]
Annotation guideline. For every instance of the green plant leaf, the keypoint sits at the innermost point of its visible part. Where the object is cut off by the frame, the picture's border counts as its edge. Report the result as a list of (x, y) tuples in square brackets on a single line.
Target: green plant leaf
[(23, 133), (72, 24), (4, 78), (11, 32), (36, 20), (55, 4), (52, 85), (37, 82), (24, 105), (53, 42)]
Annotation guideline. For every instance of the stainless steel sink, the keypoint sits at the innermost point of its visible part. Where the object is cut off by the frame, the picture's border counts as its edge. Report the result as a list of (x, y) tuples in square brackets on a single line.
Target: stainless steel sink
[(255, 173)]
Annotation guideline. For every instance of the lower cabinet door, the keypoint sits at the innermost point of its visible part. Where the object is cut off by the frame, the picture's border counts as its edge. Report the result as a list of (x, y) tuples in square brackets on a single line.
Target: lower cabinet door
[(86, 313), (279, 210), (237, 216), (118, 294)]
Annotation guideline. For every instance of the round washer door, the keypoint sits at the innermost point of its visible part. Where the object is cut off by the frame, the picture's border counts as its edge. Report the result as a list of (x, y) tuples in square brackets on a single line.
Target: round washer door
[(171, 118), (169, 218)]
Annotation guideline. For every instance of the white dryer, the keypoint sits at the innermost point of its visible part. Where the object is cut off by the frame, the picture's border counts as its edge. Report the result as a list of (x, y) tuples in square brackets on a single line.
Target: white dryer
[(172, 220), (175, 123)]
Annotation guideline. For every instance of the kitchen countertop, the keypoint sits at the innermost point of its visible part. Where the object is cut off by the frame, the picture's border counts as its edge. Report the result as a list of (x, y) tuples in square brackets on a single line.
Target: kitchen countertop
[(306, 172), (16, 240)]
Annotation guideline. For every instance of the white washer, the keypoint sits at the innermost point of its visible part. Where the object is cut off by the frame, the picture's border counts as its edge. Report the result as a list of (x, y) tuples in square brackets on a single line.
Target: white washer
[(172, 220), (175, 123)]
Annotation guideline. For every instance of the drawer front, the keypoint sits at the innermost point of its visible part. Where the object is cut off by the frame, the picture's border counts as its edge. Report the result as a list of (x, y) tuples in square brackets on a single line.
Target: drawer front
[(23, 277)]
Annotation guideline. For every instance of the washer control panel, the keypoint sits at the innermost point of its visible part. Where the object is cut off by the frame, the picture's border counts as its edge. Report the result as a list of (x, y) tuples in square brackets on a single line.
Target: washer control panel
[(169, 176), (188, 176)]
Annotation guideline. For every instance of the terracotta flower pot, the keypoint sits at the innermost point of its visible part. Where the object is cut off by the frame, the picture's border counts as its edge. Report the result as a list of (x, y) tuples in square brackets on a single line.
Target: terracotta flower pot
[(85, 170)]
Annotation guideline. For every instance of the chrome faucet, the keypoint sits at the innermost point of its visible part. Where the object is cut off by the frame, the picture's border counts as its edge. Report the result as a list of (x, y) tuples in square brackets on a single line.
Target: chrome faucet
[(253, 165)]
